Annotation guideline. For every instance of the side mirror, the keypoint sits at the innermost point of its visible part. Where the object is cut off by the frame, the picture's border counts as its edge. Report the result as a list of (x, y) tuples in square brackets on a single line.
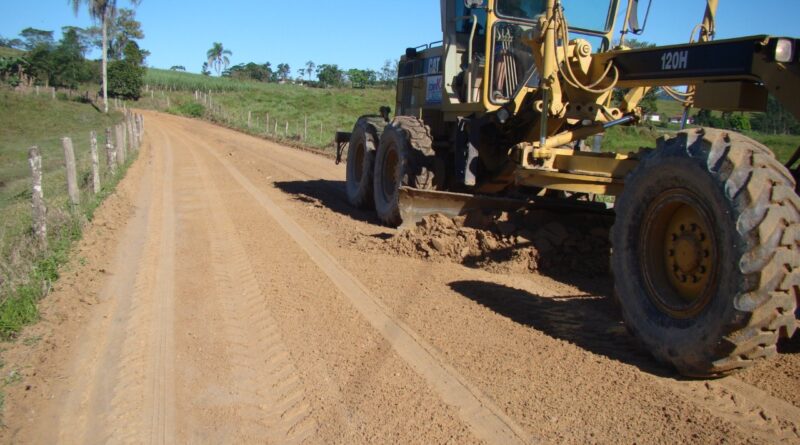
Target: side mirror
[(475, 4)]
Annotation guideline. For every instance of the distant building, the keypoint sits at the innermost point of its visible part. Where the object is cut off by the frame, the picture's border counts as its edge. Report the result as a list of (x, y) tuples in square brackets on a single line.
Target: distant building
[(652, 118), (678, 119)]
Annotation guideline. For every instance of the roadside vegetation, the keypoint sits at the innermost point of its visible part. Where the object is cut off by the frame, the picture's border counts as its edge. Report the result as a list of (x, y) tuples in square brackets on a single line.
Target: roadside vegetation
[(27, 273)]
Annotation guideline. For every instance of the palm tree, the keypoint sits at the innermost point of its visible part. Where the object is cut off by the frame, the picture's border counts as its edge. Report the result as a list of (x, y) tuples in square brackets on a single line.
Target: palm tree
[(103, 10), (218, 57), (310, 68)]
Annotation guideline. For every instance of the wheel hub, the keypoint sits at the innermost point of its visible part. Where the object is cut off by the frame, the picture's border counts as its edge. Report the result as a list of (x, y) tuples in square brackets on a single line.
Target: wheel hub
[(678, 254), (688, 252)]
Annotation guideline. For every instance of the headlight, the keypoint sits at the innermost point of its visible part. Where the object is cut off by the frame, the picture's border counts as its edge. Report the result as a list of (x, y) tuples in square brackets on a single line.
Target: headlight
[(784, 51)]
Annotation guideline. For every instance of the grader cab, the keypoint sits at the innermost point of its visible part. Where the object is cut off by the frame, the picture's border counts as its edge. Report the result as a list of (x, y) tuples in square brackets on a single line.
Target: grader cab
[(510, 107)]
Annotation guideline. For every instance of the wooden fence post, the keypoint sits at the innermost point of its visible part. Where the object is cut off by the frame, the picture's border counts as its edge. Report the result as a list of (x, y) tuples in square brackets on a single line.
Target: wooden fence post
[(111, 155), (140, 127), (120, 145), (53, 92), (72, 174), (125, 142), (286, 132), (132, 133), (95, 162), (37, 202), (305, 129)]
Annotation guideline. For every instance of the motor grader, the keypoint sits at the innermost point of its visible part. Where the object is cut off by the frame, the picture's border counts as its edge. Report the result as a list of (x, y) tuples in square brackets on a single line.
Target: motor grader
[(511, 107)]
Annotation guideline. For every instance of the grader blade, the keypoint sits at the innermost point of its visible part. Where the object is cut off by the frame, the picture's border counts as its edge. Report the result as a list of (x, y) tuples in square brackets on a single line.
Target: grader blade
[(416, 204)]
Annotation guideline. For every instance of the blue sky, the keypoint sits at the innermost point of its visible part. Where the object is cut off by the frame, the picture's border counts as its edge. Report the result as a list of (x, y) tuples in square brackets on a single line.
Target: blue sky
[(350, 33)]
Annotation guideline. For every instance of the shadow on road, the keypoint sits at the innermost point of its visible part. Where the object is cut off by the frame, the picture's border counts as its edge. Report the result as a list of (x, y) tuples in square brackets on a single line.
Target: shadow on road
[(330, 194), (590, 322)]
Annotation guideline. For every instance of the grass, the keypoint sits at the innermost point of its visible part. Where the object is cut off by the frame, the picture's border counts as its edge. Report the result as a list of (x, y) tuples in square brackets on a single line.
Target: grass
[(26, 273), (10, 52), (313, 112), (630, 139)]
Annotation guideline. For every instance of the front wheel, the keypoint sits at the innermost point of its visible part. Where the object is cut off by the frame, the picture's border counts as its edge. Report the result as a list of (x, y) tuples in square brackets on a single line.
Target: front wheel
[(405, 158), (705, 252)]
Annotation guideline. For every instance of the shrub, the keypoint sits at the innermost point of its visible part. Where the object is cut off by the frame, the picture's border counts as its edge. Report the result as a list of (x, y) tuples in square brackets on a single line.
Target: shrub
[(125, 80), (191, 109)]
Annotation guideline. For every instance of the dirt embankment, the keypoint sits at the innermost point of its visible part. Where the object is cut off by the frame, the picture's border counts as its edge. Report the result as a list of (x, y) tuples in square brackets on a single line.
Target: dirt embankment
[(527, 240)]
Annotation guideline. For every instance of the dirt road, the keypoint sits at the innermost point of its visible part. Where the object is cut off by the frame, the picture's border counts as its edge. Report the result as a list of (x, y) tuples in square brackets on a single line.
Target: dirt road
[(228, 294)]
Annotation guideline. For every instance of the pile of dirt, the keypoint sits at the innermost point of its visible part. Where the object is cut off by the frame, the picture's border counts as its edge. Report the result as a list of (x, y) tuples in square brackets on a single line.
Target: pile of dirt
[(527, 240)]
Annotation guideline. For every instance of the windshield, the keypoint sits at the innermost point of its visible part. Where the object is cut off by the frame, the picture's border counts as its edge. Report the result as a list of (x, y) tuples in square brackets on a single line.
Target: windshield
[(591, 15), (521, 9)]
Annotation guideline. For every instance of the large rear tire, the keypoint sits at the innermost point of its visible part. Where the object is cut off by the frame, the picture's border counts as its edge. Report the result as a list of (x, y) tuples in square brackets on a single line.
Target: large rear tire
[(361, 160), (405, 158), (706, 252)]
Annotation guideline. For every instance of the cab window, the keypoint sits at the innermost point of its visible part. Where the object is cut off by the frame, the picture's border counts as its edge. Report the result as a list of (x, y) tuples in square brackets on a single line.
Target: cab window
[(521, 9), (465, 26)]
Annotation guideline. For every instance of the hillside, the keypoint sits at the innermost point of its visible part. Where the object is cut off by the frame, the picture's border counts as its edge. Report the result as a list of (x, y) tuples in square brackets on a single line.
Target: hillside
[(9, 52), (322, 111)]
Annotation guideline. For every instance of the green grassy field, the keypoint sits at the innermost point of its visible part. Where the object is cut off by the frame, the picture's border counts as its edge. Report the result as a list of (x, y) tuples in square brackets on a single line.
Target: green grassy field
[(9, 52), (314, 113), (27, 120)]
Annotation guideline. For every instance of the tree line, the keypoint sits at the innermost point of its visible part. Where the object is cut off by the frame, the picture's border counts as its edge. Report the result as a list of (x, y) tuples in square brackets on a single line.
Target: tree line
[(327, 75), (41, 60)]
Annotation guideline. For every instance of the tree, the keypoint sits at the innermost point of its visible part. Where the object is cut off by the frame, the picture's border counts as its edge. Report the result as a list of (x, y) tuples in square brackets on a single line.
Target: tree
[(775, 120), (205, 71), (330, 75), (12, 43), (126, 77), (85, 37), (362, 78), (177, 68), (739, 122), (104, 11), (283, 71), (41, 63), (218, 57), (310, 68), (388, 74), (36, 37), (125, 28), (69, 66)]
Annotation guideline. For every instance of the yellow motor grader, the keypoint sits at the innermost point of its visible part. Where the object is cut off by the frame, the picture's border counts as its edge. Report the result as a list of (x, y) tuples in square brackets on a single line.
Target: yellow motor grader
[(707, 222)]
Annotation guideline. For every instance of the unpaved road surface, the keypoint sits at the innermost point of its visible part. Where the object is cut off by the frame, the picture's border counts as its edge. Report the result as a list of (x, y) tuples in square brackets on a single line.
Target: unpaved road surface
[(228, 294)]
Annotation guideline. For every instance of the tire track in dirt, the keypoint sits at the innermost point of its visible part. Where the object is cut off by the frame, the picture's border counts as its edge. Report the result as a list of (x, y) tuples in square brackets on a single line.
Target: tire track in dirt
[(83, 416), (268, 394), (163, 385), (486, 420), (142, 406), (734, 401)]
